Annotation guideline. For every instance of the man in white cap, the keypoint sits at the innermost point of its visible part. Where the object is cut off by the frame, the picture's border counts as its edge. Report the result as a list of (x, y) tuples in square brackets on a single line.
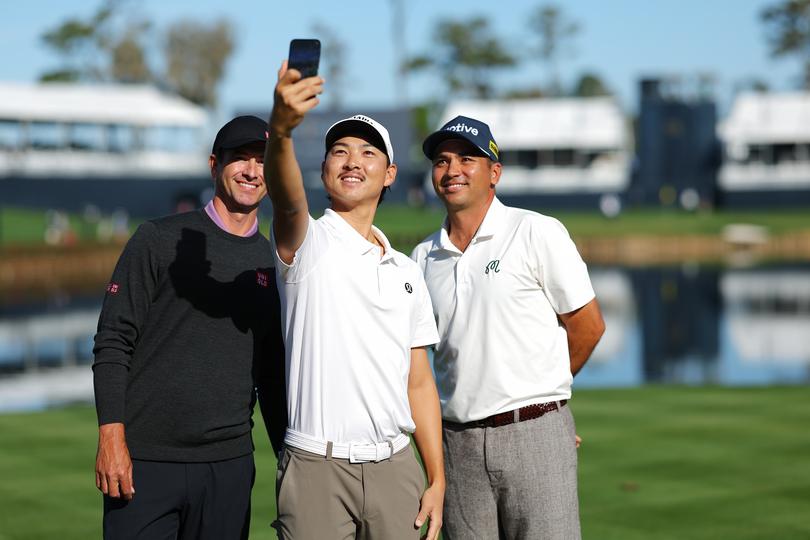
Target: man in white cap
[(356, 318), (517, 319)]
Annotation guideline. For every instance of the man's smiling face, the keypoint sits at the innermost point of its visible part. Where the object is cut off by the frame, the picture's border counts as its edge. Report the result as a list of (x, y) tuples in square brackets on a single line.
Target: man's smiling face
[(240, 177), (462, 177), (355, 171)]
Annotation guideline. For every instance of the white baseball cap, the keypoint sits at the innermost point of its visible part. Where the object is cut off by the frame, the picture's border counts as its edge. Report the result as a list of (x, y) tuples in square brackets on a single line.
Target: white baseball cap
[(361, 125)]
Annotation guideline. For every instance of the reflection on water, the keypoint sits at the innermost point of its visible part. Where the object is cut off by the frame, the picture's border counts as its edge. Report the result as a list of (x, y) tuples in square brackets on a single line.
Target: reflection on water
[(702, 325), (51, 333), (685, 325), (45, 352)]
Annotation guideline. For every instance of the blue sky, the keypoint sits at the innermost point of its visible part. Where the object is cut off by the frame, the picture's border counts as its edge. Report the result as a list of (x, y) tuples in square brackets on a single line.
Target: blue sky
[(621, 40)]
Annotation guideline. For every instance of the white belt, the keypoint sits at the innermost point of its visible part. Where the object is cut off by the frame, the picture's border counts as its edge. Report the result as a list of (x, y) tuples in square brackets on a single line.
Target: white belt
[(354, 452)]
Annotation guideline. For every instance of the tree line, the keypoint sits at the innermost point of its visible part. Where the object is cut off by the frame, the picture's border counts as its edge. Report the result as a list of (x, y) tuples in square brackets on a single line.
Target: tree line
[(112, 45), (467, 54)]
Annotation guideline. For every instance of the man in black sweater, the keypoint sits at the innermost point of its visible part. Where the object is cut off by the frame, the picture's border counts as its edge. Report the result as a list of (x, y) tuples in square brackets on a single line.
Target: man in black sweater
[(188, 332)]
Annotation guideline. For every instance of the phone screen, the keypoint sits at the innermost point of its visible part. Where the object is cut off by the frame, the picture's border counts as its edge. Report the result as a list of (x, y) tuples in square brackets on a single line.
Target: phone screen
[(304, 56)]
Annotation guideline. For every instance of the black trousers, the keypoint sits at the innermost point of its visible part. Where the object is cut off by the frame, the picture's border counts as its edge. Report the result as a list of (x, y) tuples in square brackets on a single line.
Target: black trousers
[(184, 501)]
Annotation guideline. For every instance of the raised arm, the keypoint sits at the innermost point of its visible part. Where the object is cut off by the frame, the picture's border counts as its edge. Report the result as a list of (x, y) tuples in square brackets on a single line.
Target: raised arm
[(293, 98), (427, 416), (584, 327)]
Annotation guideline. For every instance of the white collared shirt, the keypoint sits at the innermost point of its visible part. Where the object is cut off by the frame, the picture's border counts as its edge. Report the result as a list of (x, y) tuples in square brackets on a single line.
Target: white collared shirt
[(350, 319), (501, 344)]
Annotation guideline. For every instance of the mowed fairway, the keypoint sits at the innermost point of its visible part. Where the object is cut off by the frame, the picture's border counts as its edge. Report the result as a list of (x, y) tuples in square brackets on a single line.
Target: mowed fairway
[(656, 462), (694, 463)]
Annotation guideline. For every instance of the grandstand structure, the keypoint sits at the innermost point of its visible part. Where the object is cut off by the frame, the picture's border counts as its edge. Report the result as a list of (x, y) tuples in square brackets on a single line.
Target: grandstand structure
[(67, 146)]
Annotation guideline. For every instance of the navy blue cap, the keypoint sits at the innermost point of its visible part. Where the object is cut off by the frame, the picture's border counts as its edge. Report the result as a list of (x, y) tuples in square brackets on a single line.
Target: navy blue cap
[(240, 131), (468, 129)]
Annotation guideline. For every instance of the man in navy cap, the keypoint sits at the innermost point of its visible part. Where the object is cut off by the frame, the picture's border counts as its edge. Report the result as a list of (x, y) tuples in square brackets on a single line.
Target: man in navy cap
[(188, 330), (517, 318)]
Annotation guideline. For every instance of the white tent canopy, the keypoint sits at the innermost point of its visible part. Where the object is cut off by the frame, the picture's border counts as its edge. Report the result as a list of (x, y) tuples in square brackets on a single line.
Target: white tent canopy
[(586, 123), (135, 105), (768, 119)]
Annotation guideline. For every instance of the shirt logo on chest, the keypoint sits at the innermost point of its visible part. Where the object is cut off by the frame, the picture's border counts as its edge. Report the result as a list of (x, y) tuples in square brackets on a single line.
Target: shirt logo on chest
[(492, 265), (408, 287)]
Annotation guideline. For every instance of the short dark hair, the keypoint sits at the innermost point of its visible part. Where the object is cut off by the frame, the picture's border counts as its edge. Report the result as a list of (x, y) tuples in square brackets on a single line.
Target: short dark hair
[(385, 190)]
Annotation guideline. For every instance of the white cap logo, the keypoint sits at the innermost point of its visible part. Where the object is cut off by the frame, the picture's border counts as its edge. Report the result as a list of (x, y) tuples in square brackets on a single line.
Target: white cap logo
[(462, 128), (376, 126)]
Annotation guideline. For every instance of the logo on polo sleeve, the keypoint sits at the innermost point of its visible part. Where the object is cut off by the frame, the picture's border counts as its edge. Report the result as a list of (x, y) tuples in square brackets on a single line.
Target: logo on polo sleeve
[(262, 278), (113, 287), (408, 287)]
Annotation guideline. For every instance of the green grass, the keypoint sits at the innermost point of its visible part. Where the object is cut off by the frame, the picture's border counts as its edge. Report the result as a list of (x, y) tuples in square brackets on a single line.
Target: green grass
[(697, 463), (671, 222), (656, 462), (406, 226), (27, 227), (19, 226), (396, 220), (47, 483)]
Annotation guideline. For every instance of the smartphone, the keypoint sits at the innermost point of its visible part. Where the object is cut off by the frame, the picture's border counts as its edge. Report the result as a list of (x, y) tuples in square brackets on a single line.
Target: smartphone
[(304, 56)]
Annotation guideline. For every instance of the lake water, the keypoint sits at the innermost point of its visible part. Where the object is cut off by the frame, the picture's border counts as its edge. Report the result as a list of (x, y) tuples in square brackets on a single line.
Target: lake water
[(690, 324), (702, 325)]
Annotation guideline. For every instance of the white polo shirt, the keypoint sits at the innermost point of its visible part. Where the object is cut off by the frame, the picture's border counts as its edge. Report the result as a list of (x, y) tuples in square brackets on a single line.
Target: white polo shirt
[(501, 345), (350, 319)]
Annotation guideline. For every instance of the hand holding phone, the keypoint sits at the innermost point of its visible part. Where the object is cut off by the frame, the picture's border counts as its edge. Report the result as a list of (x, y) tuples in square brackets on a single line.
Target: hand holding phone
[(305, 54), (292, 100)]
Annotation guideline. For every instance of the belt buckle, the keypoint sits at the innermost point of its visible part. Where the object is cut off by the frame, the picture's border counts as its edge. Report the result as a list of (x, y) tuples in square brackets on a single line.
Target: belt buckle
[(353, 450), (380, 451), (365, 452), (362, 452)]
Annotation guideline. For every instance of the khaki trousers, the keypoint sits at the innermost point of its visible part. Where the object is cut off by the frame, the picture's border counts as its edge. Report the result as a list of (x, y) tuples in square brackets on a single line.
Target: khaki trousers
[(326, 498)]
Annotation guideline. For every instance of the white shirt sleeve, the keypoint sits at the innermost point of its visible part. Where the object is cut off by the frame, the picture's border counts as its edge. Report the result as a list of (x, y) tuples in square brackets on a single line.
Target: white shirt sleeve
[(306, 256), (561, 271), (424, 331)]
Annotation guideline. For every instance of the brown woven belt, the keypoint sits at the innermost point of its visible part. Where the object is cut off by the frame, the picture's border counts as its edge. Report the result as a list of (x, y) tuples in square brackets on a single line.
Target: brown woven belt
[(528, 412)]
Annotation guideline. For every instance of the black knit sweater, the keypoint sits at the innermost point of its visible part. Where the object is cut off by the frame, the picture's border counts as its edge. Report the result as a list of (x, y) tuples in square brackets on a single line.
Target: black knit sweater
[(189, 327)]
